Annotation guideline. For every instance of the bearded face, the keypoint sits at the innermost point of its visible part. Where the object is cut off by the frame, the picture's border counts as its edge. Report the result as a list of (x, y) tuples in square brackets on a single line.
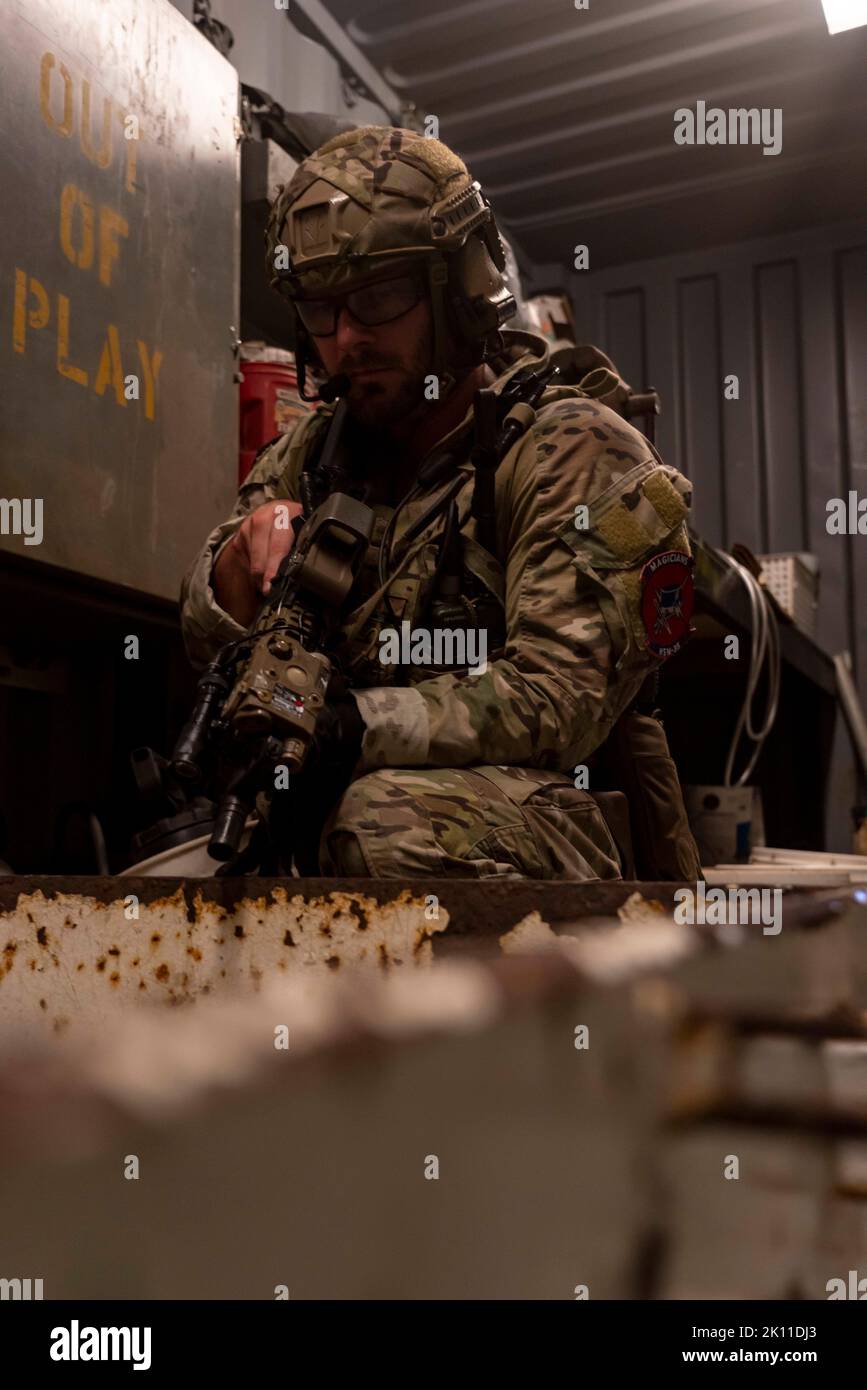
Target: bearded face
[(387, 373), (386, 361)]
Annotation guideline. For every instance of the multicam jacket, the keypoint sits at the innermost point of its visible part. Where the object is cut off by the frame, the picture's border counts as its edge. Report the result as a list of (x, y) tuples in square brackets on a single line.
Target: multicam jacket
[(577, 643)]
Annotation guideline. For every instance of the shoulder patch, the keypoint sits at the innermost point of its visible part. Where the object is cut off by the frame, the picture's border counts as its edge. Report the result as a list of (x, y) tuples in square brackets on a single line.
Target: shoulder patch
[(667, 598)]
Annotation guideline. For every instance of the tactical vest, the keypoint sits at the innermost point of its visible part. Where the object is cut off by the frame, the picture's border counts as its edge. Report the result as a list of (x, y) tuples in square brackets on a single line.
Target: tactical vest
[(409, 588)]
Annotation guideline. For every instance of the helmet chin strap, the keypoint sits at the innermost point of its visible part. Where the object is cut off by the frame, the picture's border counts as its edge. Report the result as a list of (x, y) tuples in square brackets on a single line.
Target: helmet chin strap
[(301, 372), (301, 360), (437, 280)]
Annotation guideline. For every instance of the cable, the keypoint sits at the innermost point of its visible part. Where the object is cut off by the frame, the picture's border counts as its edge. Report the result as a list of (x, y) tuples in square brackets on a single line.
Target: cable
[(765, 643)]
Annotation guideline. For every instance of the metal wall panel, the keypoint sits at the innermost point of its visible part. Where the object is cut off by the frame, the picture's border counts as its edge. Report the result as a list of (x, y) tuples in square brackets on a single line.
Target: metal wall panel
[(624, 331), (298, 71), (781, 426), (273, 57), (744, 518), (119, 261), (700, 401), (852, 331)]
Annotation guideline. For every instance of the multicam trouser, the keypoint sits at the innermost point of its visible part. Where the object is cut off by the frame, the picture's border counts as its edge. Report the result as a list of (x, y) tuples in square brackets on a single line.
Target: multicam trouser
[(467, 823)]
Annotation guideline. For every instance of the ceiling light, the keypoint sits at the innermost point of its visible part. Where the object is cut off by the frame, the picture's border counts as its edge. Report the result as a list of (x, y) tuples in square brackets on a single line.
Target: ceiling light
[(844, 14)]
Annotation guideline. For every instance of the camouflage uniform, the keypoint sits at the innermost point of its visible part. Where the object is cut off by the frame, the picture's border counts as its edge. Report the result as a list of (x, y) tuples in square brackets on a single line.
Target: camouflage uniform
[(473, 774)]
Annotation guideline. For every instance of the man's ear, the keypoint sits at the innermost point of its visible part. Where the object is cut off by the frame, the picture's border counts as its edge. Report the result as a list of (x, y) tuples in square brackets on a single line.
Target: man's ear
[(462, 358)]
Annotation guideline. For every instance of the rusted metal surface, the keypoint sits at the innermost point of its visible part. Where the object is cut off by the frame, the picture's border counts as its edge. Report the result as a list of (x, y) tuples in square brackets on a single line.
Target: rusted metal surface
[(475, 908), (76, 949), (69, 957)]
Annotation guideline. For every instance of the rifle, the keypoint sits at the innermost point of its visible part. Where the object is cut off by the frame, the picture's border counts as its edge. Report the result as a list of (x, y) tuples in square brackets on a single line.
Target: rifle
[(257, 703)]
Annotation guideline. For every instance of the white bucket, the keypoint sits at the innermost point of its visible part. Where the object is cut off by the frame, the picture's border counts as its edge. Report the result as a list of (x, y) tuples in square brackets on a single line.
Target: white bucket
[(190, 860), (721, 820)]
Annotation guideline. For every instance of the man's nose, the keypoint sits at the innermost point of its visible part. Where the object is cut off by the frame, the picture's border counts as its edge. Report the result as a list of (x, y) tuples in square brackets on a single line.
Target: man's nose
[(349, 331)]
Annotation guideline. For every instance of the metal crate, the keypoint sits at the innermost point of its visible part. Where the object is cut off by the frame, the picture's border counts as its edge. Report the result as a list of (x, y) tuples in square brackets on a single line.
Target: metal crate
[(793, 579)]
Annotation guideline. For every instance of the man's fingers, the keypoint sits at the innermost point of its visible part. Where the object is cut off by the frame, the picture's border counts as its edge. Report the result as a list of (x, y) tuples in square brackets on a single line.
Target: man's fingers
[(282, 538), (261, 531), (277, 550), (271, 538)]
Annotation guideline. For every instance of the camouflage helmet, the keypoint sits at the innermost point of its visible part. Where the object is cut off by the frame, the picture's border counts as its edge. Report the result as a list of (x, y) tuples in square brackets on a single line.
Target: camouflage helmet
[(380, 195)]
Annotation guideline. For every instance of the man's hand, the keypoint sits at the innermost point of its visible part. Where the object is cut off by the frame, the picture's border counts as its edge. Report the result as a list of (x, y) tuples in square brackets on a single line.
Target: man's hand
[(336, 744), (246, 566)]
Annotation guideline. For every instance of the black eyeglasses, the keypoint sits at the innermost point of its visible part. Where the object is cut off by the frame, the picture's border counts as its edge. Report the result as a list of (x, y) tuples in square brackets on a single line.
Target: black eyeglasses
[(370, 304)]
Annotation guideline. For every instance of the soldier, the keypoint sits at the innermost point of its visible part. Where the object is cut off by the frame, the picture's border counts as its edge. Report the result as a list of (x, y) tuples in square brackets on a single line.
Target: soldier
[(389, 259)]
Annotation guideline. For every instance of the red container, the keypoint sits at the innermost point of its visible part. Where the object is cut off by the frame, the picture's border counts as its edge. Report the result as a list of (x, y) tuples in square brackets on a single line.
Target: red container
[(270, 405)]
